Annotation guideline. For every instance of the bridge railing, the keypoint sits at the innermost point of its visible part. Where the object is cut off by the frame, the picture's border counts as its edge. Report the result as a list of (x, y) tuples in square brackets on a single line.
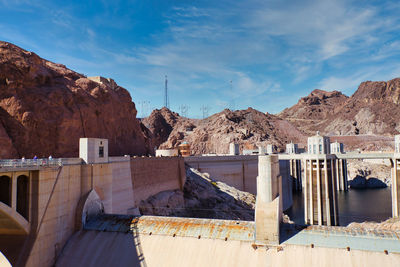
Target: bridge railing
[(23, 163)]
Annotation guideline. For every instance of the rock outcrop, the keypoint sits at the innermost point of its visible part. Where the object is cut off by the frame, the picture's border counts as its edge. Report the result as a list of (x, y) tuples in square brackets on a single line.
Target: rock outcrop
[(45, 108), (248, 128), (202, 197), (392, 224), (313, 110), (162, 122)]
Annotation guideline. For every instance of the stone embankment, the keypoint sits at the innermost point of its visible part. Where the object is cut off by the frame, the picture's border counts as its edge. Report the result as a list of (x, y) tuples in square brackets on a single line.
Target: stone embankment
[(202, 197), (392, 224)]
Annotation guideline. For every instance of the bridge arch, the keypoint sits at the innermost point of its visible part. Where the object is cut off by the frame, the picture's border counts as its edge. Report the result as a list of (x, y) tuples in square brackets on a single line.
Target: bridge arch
[(89, 205), (5, 189), (4, 261), (11, 222)]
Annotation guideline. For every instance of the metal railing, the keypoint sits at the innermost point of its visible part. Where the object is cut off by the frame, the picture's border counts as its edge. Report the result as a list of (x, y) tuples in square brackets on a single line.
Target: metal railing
[(23, 163)]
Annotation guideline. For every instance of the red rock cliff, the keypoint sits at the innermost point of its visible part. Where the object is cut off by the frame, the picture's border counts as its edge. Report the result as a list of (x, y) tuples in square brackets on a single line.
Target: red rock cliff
[(45, 108)]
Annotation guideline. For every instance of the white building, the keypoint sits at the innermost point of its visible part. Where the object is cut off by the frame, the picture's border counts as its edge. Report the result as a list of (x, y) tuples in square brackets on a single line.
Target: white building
[(291, 148), (337, 147), (318, 144)]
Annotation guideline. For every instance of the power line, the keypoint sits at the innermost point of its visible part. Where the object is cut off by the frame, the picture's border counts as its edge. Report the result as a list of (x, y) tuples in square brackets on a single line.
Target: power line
[(205, 110)]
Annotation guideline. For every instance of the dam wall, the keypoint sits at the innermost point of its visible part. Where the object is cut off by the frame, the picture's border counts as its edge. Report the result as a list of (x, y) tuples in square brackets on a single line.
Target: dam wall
[(241, 172), (156, 174), (59, 192), (56, 193)]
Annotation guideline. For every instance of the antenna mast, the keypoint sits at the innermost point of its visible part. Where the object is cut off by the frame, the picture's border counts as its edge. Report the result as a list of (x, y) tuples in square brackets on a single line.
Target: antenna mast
[(166, 99)]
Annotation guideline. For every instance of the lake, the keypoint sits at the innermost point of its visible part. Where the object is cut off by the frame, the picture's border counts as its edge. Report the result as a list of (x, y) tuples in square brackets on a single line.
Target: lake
[(354, 206)]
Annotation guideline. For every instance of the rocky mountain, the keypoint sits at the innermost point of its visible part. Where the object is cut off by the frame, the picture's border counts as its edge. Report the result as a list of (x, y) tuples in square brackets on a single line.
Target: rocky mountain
[(313, 110), (45, 108), (368, 118), (162, 122), (371, 110), (213, 134)]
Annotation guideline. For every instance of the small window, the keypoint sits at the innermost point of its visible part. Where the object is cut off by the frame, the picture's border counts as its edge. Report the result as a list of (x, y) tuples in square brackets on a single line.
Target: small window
[(320, 148), (101, 152)]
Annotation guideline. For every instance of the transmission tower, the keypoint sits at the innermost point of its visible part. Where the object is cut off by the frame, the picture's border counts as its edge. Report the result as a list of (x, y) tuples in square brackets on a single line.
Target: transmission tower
[(144, 108), (166, 98), (184, 110), (232, 105), (205, 110)]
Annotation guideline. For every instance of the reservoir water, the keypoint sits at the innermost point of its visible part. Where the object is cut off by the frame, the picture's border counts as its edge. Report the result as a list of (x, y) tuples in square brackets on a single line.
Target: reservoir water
[(354, 206)]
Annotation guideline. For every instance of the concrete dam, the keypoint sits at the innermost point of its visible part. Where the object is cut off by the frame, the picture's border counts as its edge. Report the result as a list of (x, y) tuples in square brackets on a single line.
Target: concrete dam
[(84, 212)]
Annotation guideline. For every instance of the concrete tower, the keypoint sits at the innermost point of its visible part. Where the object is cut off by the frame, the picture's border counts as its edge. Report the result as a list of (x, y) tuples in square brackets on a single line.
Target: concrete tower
[(341, 167), (396, 178), (318, 144), (295, 167), (320, 196)]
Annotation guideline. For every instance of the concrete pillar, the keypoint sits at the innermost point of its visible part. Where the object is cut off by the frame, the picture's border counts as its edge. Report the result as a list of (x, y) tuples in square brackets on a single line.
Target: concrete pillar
[(395, 187), (295, 172), (320, 201), (341, 174), (268, 204), (319, 196), (305, 192), (14, 191), (346, 186)]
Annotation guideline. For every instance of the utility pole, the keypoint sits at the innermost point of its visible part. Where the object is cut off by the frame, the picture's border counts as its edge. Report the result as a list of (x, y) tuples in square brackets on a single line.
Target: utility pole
[(184, 110), (144, 108), (166, 99), (232, 105)]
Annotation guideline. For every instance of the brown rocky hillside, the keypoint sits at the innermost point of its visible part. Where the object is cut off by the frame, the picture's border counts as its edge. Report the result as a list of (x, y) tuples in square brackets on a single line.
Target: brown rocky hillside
[(373, 110), (313, 110), (367, 119), (45, 108), (213, 134)]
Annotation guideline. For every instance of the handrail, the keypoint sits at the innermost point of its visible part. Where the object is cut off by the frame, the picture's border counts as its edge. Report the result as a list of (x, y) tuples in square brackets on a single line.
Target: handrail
[(22, 163)]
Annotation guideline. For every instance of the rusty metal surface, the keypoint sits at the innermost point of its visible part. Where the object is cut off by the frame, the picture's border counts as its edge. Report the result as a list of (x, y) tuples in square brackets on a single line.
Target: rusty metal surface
[(109, 223), (353, 231), (198, 228)]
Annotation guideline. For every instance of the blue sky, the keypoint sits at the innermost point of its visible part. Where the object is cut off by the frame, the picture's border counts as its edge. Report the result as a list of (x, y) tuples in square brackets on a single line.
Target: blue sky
[(274, 52)]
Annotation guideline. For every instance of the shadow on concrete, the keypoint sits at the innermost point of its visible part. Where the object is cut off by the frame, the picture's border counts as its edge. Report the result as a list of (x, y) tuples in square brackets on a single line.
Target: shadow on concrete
[(289, 230), (109, 240)]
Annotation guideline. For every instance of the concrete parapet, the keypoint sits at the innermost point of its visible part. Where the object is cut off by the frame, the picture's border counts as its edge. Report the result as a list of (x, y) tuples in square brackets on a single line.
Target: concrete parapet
[(119, 159), (167, 153)]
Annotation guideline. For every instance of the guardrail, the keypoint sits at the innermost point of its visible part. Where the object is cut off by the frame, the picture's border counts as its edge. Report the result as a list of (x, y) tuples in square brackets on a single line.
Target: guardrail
[(23, 163)]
